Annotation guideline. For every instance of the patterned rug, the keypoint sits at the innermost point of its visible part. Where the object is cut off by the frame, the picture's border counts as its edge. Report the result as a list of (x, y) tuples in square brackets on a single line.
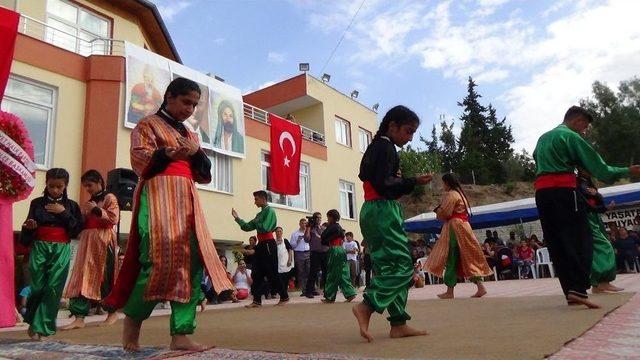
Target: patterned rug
[(54, 350)]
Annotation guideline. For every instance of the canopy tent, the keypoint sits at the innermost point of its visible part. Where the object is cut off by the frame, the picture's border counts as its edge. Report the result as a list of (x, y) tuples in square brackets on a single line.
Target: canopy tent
[(514, 212)]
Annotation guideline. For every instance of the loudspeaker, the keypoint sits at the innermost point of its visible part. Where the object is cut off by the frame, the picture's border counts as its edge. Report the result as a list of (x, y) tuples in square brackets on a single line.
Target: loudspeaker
[(122, 183)]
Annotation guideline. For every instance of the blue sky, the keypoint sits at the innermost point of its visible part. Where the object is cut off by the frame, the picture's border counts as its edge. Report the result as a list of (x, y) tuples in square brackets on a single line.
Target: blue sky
[(531, 58)]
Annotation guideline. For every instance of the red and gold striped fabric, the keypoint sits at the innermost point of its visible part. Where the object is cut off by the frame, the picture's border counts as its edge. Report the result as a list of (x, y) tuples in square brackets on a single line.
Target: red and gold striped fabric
[(472, 260), (174, 213), (91, 258)]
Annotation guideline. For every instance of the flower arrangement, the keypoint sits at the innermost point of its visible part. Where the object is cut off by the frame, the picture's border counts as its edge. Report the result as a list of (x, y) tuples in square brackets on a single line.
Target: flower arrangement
[(17, 169)]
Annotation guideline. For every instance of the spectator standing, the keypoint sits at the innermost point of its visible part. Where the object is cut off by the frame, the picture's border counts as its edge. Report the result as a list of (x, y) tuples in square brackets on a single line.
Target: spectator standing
[(285, 258), (301, 254), (351, 248), (318, 256)]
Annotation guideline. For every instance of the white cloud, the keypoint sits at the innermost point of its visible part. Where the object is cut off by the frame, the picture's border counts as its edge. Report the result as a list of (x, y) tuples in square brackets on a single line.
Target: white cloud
[(169, 9), (275, 57), (542, 62)]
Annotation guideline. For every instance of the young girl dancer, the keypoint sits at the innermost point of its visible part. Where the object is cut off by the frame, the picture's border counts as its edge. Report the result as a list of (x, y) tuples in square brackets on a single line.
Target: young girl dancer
[(52, 221), (382, 225), (337, 266), (457, 252), (101, 214)]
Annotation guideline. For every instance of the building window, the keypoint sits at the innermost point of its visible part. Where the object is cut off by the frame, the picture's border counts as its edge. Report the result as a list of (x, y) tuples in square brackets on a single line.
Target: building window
[(343, 132), (221, 173), (35, 104), (347, 200), (365, 139), (300, 201), (76, 28)]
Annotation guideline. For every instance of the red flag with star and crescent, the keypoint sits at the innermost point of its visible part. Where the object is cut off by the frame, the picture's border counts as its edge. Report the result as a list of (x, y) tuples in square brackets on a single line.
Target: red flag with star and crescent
[(286, 146)]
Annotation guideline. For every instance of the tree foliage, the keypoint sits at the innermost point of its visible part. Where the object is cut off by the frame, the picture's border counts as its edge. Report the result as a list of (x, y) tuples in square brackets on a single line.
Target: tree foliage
[(616, 125)]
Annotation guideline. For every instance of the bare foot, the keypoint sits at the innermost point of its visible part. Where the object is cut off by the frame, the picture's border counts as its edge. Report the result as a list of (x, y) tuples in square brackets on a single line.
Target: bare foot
[(203, 305), (33, 335), (350, 298), (363, 312), (110, 320), (253, 305), (481, 291), (582, 301), (405, 331), (131, 335), (182, 342), (610, 287), (446, 295), (78, 323), (597, 289)]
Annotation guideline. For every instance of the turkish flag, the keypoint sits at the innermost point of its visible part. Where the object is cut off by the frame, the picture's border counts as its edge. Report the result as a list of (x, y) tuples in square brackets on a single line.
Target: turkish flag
[(8, 32), (286, 145)]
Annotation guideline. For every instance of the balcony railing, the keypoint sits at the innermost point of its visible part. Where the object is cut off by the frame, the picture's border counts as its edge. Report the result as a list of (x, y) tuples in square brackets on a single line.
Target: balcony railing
[(258, 114), (69, 41)]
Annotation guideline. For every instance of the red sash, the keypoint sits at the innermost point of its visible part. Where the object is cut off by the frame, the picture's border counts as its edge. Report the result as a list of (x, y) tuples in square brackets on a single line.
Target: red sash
[(336, 241), (178, 168), (369, 192), (93, 222), (563, 180), (52, 234), (461, 216), (266, 236)]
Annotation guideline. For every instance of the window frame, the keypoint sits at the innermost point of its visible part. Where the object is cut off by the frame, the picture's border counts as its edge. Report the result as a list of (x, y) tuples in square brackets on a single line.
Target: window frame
[(353, 196), (263, 183), (215, 157), (78, 28), (348, 135), (51, 115), (369, 136)]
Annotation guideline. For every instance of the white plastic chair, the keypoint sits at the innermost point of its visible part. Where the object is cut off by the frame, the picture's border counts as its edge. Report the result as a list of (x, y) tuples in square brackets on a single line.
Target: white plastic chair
[(533, 271), (543, 259), (421, 263)]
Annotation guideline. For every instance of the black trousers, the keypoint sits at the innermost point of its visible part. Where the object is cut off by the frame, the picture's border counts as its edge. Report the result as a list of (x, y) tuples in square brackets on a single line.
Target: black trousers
[(265, 264), (318, 262), (563, 216)]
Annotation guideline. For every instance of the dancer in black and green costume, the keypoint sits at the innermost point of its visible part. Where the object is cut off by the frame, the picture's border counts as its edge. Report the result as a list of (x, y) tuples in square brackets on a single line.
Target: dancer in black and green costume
[(382, 224), (603, 264), (339, 275), (52, 221)]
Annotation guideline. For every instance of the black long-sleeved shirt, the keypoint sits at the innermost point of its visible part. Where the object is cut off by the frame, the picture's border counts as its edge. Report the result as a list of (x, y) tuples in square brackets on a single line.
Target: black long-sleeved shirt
[(70, 218), (331, 232), (595, 202), (380, 165)]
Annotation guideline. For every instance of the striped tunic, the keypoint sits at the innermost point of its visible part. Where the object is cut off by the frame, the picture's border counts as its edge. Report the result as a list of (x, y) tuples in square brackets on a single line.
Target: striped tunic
[(91, 259), (174, 214), (472, 261)]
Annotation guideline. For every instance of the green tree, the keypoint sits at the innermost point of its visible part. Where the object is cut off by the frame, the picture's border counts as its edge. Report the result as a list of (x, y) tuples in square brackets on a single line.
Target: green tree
[(473, 138), (498, 146), (448, 150), (415, 162), (616, 125)]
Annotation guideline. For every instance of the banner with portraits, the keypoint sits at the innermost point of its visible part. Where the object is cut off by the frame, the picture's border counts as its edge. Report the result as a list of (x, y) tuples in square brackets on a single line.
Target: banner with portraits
[(218, 119)]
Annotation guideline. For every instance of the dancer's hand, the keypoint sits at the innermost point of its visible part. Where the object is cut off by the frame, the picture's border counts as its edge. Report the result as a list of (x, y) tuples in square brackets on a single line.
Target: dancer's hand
[(234, 213), (190, 146), (30, 224), (424, 179), (634, 170), (54, 208)]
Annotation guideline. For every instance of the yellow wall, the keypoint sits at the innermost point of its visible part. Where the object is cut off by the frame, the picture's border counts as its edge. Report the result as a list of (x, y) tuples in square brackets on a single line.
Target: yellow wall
[(67, 134)]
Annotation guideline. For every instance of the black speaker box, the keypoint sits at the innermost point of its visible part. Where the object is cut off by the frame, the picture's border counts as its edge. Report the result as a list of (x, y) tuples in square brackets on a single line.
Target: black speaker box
[(122, 183)]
